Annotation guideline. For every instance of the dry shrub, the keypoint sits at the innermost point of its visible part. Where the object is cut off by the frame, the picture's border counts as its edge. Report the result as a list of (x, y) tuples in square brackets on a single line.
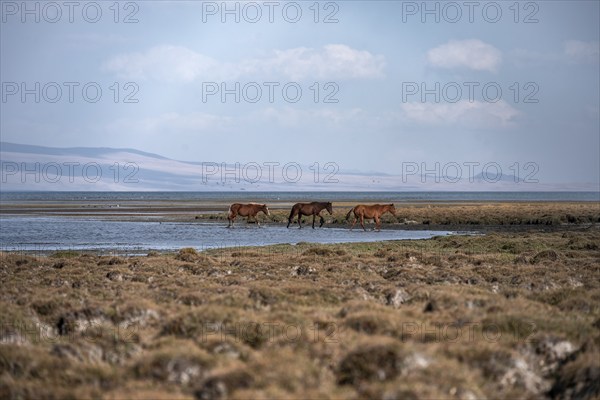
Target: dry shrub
[(221, 384), (318, 251), (379, 360), (178, 362), (370, 323), (549, 255), (188, 254)]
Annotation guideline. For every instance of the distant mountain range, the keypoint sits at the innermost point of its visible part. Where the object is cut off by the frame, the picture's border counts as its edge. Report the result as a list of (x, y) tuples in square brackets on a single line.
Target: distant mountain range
[(28, 167)]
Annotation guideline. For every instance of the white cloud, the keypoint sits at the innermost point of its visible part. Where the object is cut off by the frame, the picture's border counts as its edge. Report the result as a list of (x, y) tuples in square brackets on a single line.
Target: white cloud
[(477, 114), (472, 53), (579, 51), (336, 61), (177, 63)]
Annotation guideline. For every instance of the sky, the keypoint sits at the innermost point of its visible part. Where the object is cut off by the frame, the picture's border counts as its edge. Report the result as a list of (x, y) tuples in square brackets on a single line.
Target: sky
[(367, 85)]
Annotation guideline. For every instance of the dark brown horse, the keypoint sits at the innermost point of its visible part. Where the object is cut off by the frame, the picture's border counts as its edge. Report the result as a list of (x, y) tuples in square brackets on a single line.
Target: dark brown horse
[(370, 212), (246, 210), (313, 209)]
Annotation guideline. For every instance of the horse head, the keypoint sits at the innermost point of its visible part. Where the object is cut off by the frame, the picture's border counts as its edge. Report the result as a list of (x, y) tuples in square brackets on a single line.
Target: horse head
[(265, 209), (392, 209), (329, 208)]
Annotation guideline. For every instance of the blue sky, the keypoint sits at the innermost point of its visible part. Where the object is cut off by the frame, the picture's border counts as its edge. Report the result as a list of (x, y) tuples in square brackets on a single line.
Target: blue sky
[(371, 61)]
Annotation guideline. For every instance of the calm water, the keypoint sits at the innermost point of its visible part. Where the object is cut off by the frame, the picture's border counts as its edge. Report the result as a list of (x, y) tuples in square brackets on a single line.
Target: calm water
[(47, 234), (396, 197)]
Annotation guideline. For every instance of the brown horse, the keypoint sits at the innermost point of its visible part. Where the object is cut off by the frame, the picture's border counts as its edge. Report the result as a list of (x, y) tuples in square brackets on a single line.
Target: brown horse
[(313, 209), (246, 210), (370, 212)]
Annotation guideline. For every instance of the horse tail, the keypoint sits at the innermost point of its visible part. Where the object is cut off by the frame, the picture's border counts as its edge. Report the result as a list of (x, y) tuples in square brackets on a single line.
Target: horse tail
[(349, 212), (292, 213)]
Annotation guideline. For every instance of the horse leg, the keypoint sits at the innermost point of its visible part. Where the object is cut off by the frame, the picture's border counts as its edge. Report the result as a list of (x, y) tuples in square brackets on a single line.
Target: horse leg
[(231, 219), (377, 224), (291, 218), (362, 222), (299, 220), (353, 222), (314, 217), (322, 221)]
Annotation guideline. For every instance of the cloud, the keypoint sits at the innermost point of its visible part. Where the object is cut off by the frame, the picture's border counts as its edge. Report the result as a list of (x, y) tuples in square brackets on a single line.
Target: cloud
[(579, 51), (180, 64), (477, 114), (334, 61), (472, 53)]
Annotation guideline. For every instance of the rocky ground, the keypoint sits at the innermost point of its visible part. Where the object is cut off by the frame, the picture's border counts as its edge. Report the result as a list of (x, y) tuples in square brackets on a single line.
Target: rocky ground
[(501, 315)]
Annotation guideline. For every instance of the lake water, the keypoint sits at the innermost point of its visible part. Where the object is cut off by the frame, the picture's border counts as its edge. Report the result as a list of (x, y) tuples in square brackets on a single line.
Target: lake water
[(47, 234)]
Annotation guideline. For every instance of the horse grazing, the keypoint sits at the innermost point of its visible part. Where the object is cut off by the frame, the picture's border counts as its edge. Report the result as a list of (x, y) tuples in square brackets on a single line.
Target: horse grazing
[(313, 209), (375, 211), (246, 210)]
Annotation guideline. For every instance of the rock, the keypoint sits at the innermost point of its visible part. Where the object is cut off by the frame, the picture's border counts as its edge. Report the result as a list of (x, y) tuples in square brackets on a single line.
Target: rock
[(301, 270), (182, 371), (115, 276), (471, 281), (138, 317), (522, 375), (227, 350), (553, 352), (415, 361), (79, 321), (223, 384), (397, 298)]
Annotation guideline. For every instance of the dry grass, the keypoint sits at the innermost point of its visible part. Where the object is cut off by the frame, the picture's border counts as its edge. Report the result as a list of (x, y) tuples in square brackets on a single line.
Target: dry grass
[(496, 316), (474, 215)]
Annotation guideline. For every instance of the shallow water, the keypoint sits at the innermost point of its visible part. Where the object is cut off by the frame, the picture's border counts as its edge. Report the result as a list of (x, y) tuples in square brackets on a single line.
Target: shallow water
[(47, 234)]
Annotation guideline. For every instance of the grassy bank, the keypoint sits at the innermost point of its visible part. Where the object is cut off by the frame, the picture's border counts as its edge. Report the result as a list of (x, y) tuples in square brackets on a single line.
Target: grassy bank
[(461, 214), (500, 315)]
